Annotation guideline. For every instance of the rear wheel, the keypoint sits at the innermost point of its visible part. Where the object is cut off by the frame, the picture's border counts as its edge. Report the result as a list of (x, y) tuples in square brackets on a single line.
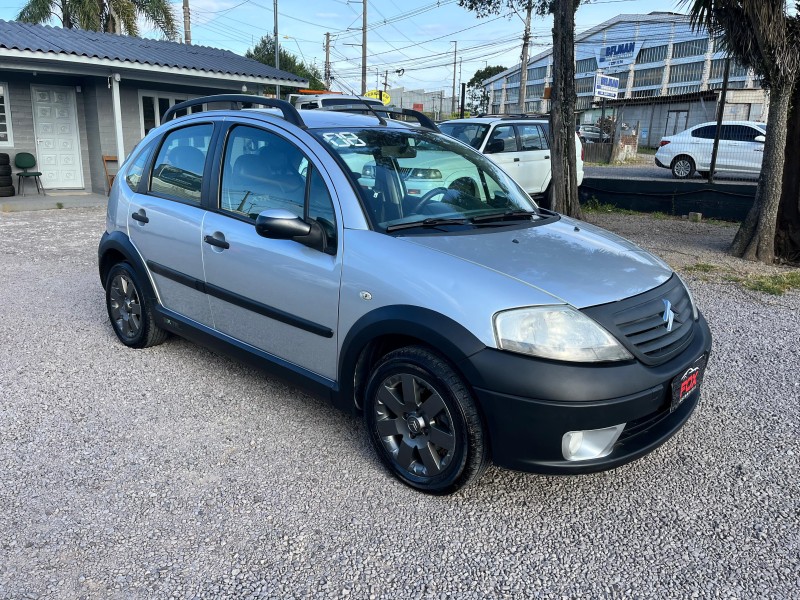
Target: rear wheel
[(129, 310), (423, 421), (682, 167)]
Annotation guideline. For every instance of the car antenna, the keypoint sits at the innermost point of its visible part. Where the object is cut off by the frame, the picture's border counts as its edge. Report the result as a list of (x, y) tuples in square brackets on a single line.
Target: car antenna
[(368, 105)]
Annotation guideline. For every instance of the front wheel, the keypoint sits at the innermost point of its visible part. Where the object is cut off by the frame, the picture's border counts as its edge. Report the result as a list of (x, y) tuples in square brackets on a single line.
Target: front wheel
[(682, 167), (423, 422), (129, 310)]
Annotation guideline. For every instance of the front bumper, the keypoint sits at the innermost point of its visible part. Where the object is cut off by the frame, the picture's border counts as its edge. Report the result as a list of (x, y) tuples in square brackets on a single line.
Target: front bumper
[(529, 404)]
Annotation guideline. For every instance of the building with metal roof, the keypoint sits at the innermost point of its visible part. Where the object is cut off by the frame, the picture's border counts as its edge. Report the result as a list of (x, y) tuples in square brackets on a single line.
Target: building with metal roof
[(71, 97)]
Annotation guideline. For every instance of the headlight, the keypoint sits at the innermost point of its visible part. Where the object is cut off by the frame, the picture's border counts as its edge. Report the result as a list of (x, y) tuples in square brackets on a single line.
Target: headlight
[(557, 332), (695, 313), (425, 174)]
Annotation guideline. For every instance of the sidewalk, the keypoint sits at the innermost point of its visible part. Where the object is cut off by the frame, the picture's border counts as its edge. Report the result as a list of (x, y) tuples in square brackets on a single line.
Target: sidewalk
[(54, 199)]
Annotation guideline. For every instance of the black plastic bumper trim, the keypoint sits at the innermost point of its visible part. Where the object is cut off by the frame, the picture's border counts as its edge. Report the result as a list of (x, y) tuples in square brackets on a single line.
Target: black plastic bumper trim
[(241, 301)]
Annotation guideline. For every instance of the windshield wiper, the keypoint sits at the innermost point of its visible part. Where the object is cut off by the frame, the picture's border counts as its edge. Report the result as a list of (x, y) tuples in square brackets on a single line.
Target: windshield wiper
[(507, 215), (430, 222)]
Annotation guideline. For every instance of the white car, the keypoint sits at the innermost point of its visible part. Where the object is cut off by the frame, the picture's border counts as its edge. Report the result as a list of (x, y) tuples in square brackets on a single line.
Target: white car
[(519, 145), (741, 148)]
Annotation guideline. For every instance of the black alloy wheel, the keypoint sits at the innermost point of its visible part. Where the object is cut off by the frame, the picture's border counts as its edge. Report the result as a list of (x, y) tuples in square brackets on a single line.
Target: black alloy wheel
[(423, 421), (129, 311)]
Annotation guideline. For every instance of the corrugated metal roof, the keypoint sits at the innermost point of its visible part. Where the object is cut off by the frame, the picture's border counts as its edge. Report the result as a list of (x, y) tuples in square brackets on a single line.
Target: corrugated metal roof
[(57, 40)]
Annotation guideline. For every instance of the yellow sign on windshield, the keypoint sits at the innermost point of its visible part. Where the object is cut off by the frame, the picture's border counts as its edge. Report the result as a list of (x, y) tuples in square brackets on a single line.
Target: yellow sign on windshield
[(379, 95)]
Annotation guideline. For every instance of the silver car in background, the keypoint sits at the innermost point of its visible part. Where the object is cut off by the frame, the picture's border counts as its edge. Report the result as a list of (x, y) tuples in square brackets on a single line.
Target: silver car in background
[(464, 322)]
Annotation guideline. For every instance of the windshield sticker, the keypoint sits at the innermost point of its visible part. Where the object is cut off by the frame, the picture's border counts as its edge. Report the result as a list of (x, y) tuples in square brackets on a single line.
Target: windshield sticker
[(344, 139)]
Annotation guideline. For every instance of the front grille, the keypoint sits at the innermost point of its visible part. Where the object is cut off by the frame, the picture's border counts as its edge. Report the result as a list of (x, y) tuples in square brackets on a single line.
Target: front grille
[(639, 323)]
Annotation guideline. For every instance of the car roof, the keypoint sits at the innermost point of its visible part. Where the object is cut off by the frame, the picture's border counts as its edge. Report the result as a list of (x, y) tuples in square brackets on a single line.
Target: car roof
[(325, 119), (756, 123), (490, 120)]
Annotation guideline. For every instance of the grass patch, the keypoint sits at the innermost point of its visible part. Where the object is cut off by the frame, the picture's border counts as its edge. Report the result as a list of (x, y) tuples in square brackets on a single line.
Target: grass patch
[(648, 151), (700, 268), (777, 285), (593, 205), (660, 215), (59, 205)]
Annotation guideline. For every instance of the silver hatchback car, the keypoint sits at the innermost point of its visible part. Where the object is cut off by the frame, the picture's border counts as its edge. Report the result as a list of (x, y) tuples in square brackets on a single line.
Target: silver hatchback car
[(466, 324)]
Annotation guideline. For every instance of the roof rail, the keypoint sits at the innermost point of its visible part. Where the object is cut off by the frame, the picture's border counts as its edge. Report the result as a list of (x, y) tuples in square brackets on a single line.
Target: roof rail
[(421, 118), (289, 112), (515, 115)]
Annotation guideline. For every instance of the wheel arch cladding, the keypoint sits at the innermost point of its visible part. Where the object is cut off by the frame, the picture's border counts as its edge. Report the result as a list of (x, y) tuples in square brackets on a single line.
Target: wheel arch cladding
[(390, 327), (116, 247)]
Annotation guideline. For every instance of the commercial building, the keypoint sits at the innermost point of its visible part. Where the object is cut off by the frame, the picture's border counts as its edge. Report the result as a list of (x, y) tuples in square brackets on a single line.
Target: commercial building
[(659, 61)]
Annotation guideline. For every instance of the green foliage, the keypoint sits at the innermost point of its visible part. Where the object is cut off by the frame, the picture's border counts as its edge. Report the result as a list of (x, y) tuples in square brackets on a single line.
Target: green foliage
[(477, 98), (484, 8), (776, 285), (700, 268), (264, 52), (483, 74), (103, 15)]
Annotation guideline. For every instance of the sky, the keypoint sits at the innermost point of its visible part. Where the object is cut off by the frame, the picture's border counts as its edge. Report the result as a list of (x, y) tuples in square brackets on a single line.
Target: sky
[(416, 36)]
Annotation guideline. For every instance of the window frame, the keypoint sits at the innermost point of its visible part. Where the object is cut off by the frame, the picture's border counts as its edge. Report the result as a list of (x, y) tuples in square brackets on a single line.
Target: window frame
[(172, 97), (7, 106)]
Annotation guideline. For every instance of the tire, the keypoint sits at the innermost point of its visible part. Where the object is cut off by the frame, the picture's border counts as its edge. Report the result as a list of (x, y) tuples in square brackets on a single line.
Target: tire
[(6, 192), (423, 422), (4, 159), (5, 170), (130, 312), (682, 167), (6, 181)]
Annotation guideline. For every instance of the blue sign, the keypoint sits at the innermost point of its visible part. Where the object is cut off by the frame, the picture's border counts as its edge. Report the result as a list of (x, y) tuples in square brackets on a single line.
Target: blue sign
[(606, 87), (616, 54)]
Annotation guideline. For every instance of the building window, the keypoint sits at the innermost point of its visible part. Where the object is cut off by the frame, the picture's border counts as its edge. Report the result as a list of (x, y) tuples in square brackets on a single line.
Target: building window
[(153, 104), (623, 79), (512, 95), (534, 91), (686, 72), (718, 44), (584, 103), (718, 69), (537, 73), (6, 135), (643, 93), (586, 65), (683, 89), (645, 77), (690, 48), (650, 55), (732, 85), (584, 85), (514, 77)]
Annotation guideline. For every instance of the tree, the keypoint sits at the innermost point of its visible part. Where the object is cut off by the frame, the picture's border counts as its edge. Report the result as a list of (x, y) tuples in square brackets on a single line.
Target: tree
[(264, 52), (564, 187), (762, 35), (111, 16), (475, 92)]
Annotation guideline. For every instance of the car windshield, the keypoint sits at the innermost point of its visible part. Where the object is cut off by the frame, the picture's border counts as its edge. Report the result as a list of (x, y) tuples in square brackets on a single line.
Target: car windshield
[(409, 177), (469, 133)]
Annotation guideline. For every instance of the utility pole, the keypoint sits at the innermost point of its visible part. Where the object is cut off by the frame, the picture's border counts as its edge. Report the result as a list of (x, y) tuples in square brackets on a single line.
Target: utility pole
[(328, 61), (277, 46), (526, 39), (187, 24), (385, 82), (455, 51), (364, 50)]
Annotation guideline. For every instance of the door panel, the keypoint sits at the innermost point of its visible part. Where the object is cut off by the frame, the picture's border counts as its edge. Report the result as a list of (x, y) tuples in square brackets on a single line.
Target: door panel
[(534, 164), (165, 224), (277, 295), (55, 122)]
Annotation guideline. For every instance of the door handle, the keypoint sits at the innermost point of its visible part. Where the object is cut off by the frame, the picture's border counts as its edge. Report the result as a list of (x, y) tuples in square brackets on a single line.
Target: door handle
[(547, 158), (516, 160), (140, 216), (219, 243)]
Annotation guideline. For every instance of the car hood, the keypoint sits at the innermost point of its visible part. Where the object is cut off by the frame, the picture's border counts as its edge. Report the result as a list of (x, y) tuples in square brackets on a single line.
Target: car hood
[(578, 263)]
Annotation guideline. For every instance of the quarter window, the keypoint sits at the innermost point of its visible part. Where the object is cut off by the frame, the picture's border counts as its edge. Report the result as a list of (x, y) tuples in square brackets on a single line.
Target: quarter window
[(6, 136), (134, 175), (179, 166), (707, 133)]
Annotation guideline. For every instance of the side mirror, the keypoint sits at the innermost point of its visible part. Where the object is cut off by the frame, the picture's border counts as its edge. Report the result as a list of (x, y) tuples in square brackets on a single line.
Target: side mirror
[(760, 138), (494, 146), (279, 224)]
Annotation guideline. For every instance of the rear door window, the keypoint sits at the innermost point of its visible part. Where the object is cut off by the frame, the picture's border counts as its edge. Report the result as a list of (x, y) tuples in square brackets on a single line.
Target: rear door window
[(532, 137), (706, 133), (180, 164)]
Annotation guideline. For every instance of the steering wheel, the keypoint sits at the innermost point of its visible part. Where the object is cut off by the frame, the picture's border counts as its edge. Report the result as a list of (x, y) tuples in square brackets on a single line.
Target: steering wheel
[(425, 200)]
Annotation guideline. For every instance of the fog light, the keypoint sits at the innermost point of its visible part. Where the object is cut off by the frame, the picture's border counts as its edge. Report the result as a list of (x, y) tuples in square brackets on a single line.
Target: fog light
[(590, 443)]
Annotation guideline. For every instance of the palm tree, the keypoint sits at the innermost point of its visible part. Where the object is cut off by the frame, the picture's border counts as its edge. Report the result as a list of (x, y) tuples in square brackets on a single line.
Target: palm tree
[(760, 34), (112, 16)]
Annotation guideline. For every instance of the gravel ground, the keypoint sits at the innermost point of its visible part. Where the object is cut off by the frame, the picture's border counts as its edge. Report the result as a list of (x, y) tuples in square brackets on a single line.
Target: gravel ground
[(172, 472)]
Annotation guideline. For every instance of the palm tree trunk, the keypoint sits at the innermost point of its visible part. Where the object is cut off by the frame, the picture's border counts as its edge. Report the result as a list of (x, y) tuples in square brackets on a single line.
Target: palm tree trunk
[(755, 239), (787, 237)]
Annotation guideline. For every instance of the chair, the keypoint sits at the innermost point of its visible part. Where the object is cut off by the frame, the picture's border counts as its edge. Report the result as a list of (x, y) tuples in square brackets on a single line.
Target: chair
[(109, 176), (25, 161)]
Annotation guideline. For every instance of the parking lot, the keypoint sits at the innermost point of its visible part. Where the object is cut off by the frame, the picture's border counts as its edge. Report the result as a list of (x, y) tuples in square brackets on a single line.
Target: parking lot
[(175, 472)]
